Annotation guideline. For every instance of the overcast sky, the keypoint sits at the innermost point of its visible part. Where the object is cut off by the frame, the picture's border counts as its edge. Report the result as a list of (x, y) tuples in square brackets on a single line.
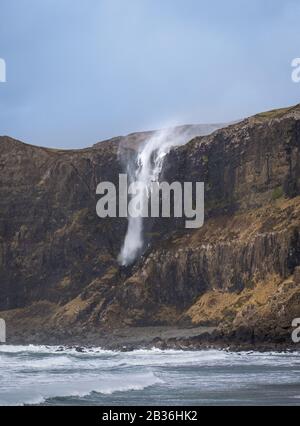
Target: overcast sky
[(79, 71)]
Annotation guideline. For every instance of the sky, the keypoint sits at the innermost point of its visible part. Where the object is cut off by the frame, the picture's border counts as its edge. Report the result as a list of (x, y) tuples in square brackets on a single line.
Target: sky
[(80, 71)]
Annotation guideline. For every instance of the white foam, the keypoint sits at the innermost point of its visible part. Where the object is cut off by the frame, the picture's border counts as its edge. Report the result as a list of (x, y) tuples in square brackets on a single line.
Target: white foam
[(24, 390), (32, 374)]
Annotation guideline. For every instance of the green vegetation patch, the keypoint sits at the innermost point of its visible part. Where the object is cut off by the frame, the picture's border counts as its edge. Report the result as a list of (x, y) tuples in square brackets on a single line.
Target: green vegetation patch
[(277, 193)]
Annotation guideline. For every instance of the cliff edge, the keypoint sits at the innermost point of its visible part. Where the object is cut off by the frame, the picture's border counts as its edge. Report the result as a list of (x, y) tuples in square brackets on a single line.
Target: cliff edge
[(238, 275)]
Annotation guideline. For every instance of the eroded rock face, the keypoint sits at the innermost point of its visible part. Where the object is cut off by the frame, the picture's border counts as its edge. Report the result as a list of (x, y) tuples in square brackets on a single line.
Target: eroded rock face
[(58, 264), (52, 245), (246, 165)]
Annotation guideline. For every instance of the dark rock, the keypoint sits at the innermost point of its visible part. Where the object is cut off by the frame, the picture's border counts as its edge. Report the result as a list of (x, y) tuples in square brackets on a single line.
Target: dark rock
[(59, 275)]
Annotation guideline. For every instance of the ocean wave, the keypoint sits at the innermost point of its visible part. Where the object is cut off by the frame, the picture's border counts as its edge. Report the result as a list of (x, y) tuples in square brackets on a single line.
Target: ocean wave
[(75, 387), (43, 349), (55, 356), (35, 374)]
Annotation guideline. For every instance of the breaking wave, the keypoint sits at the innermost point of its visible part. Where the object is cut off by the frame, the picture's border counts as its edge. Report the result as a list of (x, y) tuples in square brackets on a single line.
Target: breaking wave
[(61, 375)]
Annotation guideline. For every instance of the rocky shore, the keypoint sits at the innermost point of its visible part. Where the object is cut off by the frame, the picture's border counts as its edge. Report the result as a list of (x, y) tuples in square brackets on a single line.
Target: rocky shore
[(164, 338)]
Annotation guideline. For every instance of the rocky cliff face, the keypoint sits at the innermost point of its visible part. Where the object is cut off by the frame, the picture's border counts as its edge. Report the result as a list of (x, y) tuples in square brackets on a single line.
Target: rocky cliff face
[(58, 267)]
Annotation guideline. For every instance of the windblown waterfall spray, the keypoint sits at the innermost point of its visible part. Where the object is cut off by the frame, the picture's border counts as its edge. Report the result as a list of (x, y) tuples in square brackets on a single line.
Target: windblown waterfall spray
[(149, 164), (147, 169)]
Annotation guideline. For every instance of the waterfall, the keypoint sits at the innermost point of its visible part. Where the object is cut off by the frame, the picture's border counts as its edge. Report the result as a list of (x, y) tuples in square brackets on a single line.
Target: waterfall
[(147, 169)]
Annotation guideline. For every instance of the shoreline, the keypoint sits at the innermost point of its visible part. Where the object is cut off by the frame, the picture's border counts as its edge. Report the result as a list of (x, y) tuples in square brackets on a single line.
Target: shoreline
[(159, 337)]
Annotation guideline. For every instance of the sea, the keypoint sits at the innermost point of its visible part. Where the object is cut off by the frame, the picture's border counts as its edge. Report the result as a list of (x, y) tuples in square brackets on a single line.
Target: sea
[(44, 375)]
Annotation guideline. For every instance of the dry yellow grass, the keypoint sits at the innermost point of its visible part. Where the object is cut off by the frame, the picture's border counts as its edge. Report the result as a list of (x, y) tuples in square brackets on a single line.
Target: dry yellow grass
[(215, 307)]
